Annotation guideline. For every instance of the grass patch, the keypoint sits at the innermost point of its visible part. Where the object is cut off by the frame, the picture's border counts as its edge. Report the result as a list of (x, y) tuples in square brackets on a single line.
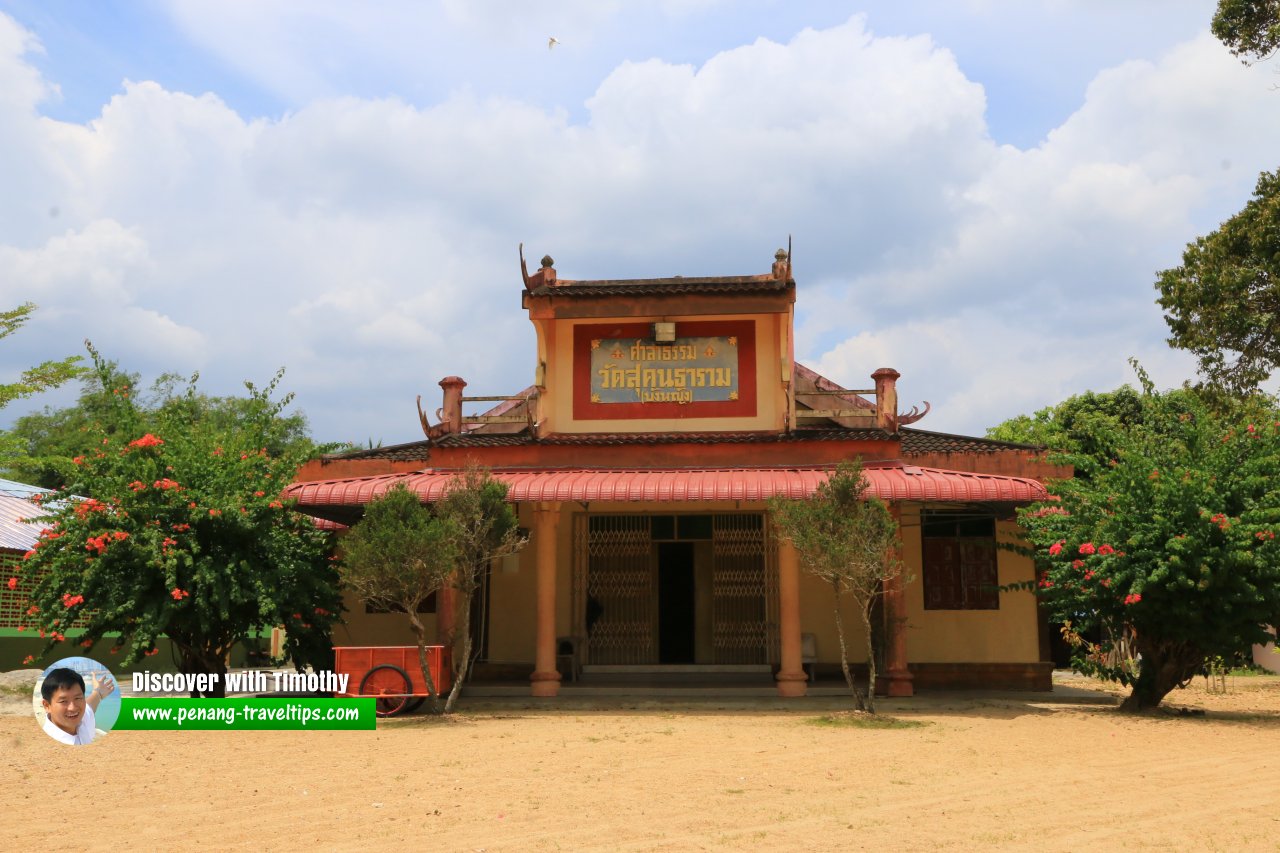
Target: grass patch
[(856, 720)]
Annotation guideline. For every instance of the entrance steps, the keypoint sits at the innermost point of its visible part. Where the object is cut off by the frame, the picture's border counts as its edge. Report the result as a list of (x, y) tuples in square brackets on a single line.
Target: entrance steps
[(653, 681)]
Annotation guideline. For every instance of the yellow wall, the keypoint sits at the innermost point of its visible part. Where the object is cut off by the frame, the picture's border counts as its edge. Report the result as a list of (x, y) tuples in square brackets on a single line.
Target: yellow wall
[(378, 629), (771, 400), (1007, 635)]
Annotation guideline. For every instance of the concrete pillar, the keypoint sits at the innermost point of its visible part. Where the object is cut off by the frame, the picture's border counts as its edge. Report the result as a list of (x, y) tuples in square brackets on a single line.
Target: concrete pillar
[(446, 615), (895, 617), (545, 680), (451, 411), (886, 379), (792, 680)]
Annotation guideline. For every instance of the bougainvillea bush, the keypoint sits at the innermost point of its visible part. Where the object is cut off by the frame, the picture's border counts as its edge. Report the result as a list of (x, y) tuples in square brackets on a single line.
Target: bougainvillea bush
[(1162, 553), (173, 527)]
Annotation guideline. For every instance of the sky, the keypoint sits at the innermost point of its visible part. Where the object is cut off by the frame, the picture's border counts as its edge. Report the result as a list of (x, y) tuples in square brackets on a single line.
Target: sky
[(980, 193)]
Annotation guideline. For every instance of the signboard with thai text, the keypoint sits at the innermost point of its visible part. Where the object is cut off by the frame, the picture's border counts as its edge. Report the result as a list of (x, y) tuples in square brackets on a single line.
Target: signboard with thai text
[(621, 372)]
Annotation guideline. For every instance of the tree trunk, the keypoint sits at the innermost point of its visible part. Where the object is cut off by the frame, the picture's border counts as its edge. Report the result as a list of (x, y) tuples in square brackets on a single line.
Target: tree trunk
[(1164, 666), (865, 609), (200, 661), (464, 663), (420, 633), (844, 651)]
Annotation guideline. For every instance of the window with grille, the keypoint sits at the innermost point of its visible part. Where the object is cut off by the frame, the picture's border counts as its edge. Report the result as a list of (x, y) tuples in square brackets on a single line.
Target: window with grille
[(959, 571)]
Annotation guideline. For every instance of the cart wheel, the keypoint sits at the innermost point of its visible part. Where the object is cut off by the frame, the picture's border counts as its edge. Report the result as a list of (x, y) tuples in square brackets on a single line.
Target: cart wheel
[(415, 704), (391, 685)]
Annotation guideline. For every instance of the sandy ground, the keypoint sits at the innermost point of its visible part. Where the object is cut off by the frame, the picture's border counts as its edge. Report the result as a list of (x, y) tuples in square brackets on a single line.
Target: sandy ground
[(983, 772)]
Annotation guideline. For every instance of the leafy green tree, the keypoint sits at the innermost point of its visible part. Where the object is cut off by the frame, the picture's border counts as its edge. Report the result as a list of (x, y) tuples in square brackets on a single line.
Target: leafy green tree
[(1250, 28), (1165, 555), (397, 556), (48, 440), (42, 377), (184, 536), (847, 538), (1223, 303), (485, 529)]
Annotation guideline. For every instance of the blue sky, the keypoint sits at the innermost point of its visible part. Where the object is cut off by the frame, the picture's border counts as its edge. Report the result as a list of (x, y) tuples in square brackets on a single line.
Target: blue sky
[(980, 191)]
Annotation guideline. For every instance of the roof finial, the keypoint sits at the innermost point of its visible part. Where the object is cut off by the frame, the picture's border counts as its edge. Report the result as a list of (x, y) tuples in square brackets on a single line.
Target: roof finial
[(780, 255), (547, 262)]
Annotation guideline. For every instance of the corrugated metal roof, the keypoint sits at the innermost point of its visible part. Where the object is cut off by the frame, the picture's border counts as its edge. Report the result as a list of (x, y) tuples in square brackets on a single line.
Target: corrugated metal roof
[(891, 482), (15, 504)]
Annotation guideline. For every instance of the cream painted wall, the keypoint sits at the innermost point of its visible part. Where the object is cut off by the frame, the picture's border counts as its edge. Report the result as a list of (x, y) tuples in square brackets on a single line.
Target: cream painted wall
[(817, 617), (771, 401), (378, 629), (1007, 635)]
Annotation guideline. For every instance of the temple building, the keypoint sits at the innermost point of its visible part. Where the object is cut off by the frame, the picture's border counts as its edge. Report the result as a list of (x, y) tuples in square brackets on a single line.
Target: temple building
[(663, 415)]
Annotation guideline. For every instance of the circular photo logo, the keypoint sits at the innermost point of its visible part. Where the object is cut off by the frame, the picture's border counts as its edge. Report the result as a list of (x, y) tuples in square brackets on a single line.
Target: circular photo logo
[(76, 700)]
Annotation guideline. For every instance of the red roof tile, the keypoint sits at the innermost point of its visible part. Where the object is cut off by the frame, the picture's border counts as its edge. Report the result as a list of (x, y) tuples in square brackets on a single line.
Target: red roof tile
[(889, 482)]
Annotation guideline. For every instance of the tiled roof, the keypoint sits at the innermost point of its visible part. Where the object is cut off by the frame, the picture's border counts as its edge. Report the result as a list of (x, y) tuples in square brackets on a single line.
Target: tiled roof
[(924, 441), (914, 441), (419, 450), (888, 481), (660, 286)]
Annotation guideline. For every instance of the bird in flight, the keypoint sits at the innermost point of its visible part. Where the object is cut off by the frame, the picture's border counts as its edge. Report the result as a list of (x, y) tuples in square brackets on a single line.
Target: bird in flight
[(552, 42)]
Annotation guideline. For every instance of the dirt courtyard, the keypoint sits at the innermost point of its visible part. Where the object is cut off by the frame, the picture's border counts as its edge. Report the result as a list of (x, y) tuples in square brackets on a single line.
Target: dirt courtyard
[(982, 772)]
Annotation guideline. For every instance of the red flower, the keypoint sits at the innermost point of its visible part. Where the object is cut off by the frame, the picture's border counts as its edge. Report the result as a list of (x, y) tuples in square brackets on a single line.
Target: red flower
[(1045, 583), (320, 611), (88, 644), (78, 460), (32, 610), (215, 512), (1106, 582), (1087, 548), (13, 582), (259, 494), (147, 440), (1132, 598), (120, 536), (165, 484), (29, 659), (182, 527), (275, 505), (1055, 549), (179, 594), (1106, 549), (137, 485), (69, 600), (1077, 564), (152, 652), (1088, 575)]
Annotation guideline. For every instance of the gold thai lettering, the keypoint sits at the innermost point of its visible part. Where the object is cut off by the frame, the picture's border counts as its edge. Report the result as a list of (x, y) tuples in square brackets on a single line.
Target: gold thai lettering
[(641, 378), (640, 351)]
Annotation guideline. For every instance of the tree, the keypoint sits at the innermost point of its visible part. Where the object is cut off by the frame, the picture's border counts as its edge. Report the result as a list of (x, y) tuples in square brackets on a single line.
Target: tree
[(485, 529), (846, 537), (184, 536), (1223, 303), (397, 556), (1168, 546), (48, 374), (49, 439), (1250, 28)]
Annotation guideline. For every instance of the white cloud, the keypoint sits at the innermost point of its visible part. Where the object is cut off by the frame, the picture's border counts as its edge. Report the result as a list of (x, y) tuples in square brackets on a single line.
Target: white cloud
[(369, 244)]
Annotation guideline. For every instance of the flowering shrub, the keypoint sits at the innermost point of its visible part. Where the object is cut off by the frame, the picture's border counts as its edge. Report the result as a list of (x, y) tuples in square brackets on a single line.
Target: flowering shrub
[(162, 547), (1183, 565)]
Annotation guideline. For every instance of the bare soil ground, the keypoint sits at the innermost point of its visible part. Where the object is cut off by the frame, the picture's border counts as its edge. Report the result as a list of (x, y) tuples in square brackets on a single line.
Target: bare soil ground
[(983, 772)]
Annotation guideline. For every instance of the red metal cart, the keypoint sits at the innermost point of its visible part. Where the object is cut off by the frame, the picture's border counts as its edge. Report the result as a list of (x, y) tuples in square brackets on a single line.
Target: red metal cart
[(392, 674)]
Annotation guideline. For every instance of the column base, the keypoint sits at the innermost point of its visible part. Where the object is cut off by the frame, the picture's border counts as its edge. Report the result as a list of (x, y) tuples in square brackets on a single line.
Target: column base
[(901, 684), (793, 685), (544, 684)]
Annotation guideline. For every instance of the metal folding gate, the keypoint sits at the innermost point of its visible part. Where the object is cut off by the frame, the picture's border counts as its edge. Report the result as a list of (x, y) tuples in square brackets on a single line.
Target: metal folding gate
[(615, 592)]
